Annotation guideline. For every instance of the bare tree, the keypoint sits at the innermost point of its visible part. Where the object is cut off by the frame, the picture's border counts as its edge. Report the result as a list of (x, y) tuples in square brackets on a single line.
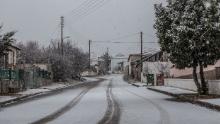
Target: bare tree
[(104, 63), (30, 52), (66, 66), (69, 65)]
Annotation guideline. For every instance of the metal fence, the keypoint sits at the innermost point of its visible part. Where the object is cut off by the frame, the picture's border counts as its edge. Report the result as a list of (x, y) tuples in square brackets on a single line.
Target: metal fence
[(35, 77), (10, 74), (21, 79)]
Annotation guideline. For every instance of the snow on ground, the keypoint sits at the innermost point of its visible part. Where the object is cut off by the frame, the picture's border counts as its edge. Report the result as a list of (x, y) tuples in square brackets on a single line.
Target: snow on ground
[(173, 90), (212, 101), (32, 91), (135, 110), (6, 98), (88, 79), (140, 84), (53, 86), (137, 105), (144, 106), (89, 110), (36, 109)]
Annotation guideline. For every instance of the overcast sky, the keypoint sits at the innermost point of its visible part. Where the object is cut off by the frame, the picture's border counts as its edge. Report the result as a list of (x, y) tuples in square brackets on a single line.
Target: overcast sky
[(99, 20)]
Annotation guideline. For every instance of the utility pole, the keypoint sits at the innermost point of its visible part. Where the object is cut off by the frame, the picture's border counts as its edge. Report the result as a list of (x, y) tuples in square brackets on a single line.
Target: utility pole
[(141, 51), (61, 36), (58, 47), (107, 50), (109, 60), (90, 54)]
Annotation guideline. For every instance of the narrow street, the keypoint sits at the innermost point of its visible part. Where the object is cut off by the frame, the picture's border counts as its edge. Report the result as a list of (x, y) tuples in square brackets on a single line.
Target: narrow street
[(111, 101)]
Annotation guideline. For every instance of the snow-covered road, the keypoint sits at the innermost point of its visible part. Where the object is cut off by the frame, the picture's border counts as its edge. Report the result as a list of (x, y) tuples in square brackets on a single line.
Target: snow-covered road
[(111, 102), (142, 106)]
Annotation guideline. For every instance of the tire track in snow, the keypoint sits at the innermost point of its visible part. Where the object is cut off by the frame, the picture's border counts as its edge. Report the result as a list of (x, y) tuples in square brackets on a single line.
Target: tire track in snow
[(112, 114), (164, 116), (70, 105)]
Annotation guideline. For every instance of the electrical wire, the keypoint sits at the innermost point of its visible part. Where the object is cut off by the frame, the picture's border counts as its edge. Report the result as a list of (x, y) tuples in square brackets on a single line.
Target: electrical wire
[(118, 38), (86, 7), (88, 10), (55, 31), (85, 3), (88, 13), (71, 30), (149, 35), (123, 37), (117, 42)]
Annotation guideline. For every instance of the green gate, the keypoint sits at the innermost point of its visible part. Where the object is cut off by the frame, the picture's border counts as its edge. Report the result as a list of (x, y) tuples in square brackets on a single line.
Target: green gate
[(150, 79), (9, 74)]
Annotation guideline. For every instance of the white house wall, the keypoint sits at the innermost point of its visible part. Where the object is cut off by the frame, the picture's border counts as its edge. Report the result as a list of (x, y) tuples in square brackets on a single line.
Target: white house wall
[(156, 67)]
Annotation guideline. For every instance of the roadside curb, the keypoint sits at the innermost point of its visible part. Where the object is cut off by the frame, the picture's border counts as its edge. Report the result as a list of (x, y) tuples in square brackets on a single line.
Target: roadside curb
[(135, 85), (192, 101), (11, 101)]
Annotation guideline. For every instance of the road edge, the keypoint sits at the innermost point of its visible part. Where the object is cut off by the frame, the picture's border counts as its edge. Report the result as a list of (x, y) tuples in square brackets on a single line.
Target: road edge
[(37, 95), (192, 101)]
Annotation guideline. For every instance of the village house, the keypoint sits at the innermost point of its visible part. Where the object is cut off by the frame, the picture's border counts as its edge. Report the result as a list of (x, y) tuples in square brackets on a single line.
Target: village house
[(134, 72), (8, 75), (17, 77), (156, 67), (9, 60)]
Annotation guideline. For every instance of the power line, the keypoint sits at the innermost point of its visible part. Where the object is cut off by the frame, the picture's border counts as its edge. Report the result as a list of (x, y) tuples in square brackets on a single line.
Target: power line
[(82, 7), (123, 37), (55, 31), (87, 13), (85, 3), (114, 40), (149, 35), (118, 38), (89, 10), (121, 42), (85, 7), (71, 30)]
